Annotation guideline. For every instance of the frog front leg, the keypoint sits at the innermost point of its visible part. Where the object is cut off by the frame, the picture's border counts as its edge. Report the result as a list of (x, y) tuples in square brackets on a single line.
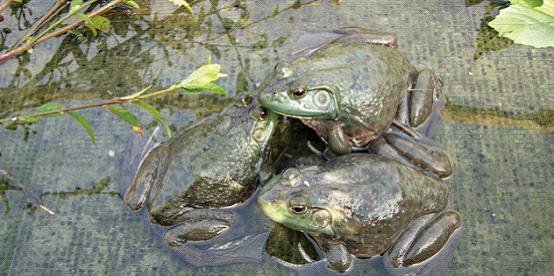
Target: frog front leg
[(338, 257), (423, 239), (199, 225), (338, 142)]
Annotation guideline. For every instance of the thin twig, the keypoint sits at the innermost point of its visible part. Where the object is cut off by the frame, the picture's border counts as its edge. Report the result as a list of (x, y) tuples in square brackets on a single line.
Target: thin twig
[(21, 49), (5, 4), (14, 182), (59, 4)]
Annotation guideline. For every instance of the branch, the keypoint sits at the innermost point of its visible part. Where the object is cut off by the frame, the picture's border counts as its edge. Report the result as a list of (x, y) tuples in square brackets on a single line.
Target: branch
[(4, 5), (21, 49)]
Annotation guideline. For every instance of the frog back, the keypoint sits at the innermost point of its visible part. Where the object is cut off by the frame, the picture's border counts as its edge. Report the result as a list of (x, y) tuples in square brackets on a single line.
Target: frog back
[(212, 164), (378, 198), (370, 80)]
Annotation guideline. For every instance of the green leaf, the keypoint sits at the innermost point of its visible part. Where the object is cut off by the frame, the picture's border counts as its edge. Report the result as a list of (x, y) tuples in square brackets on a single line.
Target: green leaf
[(155, 113), (75, 5), (182, 3), (88, 22), (48, 107), (100, 22), (525, 25), (527, 3), (202, 77), (132, 3), (85, 124), (126, 115)]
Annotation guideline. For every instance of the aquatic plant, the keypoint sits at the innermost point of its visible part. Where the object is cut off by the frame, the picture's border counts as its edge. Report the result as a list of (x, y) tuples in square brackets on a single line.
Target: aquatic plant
[(202, 79)]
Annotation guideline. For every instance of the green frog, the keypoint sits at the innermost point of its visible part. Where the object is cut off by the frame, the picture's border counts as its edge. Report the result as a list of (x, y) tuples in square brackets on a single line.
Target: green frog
[(352, 86), (211, 164), (364, 205)]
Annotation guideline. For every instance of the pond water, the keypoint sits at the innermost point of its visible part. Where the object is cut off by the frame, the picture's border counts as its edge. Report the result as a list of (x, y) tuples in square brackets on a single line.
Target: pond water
[(498, 127)]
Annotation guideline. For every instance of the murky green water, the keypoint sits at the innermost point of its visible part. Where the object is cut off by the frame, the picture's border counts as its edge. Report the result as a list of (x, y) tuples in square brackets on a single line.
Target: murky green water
[(502, 184)]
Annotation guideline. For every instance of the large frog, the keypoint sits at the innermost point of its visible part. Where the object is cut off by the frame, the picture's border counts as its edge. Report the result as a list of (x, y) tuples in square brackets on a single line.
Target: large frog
[(363, 205), (350, 86), (211, 164)]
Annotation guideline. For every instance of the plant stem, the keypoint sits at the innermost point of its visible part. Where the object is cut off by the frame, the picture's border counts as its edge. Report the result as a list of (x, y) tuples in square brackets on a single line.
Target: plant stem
[(4, 5), (100, 104), (55, 8), (45, 36)]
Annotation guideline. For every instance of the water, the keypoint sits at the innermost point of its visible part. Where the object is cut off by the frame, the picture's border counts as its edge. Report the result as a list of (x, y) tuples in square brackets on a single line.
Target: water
[(502, 185)]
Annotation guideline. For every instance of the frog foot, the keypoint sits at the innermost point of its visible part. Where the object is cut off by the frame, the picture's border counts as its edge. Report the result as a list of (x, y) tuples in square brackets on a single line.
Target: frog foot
[(423, 239), (199, 225), (338, 257), (421, 105), (413, 149), (151, 169)]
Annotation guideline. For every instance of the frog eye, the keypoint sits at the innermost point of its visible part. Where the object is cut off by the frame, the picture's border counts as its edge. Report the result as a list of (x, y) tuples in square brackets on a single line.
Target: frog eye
[(298, 205), (299, 209), (298, 93)]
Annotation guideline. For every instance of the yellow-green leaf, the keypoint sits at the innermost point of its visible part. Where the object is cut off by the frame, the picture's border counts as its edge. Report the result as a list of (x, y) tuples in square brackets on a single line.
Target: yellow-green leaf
[(132, 3), (202, 76), (100, 22), (75, 5), (88, 22), (85, 124), (155, 113), (125, 114)]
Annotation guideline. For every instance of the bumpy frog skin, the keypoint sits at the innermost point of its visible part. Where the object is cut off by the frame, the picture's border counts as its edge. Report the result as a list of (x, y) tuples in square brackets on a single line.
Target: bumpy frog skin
[(363, 205), (211, 164), (351, 88)]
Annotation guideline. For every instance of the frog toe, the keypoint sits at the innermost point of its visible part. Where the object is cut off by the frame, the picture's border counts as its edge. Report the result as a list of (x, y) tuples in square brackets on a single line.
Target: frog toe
[(433, 238)]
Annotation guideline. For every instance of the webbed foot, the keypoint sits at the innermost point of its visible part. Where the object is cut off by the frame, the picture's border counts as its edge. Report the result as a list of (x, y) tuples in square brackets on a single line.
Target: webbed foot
[(148, 165), (411, 148), (423, 239), (421, 104), (199, 225)]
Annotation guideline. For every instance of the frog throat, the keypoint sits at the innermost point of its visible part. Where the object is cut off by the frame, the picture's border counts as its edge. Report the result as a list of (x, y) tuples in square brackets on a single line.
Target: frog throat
[(318, 105)]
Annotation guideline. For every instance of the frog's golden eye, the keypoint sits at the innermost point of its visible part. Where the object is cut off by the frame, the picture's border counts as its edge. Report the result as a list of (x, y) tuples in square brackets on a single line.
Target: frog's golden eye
[(299, 209), (298, 93), (298, 205)]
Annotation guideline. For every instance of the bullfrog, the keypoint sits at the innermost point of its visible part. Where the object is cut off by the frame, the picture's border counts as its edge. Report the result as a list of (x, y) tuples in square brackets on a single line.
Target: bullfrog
[(364, 205), (214, 163), (351, 86)]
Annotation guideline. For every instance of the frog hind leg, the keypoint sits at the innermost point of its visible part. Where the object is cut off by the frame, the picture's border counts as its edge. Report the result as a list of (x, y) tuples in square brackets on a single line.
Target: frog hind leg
[(338, 142), (199, 225), (433, 238), (422, 102), (395, 255), (151, 169)]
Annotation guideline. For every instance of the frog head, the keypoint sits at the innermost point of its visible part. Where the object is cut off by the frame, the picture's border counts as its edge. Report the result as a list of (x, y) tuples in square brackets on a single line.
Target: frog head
[(294, 96), (288, 199)]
